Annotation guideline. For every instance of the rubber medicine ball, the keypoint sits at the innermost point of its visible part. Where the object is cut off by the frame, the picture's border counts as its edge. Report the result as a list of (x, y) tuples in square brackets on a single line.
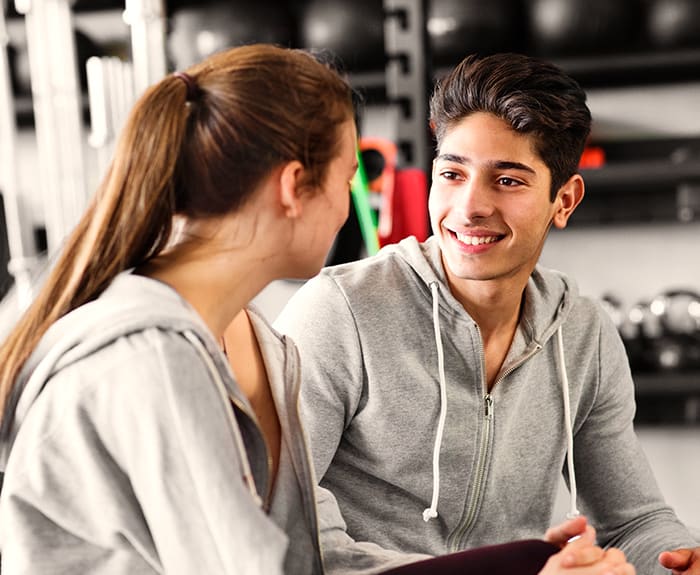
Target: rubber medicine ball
[(198, 30), (581, 27), (353, 31), (674, 23), (460, 27)]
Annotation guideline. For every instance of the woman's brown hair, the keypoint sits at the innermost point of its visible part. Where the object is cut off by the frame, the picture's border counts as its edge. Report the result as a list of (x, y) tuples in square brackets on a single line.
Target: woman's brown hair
[(195, 144)]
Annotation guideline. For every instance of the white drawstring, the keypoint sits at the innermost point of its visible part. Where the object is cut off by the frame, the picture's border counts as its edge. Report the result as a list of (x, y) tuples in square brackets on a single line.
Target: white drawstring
[(431, 512), (573, 510)]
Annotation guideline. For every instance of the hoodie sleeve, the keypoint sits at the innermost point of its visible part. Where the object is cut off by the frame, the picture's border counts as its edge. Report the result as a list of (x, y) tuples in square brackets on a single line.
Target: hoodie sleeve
[(126, 464), (319, 320), (615, 480)]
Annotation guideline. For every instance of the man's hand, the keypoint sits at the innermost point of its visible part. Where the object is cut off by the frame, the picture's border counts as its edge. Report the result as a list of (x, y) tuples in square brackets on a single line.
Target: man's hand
[(579, 553), (583, 558), (681, 561), (577, 527)]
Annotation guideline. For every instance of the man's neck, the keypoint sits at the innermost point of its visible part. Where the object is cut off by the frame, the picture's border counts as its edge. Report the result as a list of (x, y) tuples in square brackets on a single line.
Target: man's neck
[(495, 306)]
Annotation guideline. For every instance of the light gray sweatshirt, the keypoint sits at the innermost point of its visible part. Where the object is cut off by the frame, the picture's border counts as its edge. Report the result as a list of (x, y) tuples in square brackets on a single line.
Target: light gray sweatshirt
[(126, 456), (421, 458)]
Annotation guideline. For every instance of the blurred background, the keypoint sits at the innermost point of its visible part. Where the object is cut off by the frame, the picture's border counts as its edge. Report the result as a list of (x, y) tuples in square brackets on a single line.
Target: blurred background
[(69, 71)]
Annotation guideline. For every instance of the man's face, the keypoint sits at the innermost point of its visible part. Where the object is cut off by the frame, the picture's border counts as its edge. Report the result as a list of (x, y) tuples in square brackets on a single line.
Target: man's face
[(489, 201)]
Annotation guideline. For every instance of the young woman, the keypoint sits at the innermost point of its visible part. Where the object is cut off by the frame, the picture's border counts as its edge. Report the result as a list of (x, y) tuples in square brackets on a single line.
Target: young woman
[(128, 444)]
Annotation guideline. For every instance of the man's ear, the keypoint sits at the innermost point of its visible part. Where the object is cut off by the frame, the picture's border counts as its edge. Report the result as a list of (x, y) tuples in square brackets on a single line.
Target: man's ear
[(290, 180), (568, 197)]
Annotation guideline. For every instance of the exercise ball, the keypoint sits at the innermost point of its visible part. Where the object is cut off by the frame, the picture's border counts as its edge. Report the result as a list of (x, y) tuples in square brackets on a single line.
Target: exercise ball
[(673, 23), (352, 31), (460, 27), (678, 310), (582, 27), (198, 30)]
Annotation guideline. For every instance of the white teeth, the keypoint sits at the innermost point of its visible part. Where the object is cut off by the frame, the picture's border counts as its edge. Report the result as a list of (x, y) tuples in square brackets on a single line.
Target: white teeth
[(475, 240)]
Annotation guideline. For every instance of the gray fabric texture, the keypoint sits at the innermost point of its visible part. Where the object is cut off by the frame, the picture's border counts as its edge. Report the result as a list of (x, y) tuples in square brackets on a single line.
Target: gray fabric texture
[(371, 401), (134, 451)]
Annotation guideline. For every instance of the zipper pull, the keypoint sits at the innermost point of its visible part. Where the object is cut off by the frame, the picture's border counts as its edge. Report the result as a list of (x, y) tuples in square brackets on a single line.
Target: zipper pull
[(488, 406)]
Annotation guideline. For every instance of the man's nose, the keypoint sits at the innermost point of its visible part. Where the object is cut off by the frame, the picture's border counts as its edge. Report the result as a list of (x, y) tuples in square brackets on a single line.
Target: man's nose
[(476, 199)]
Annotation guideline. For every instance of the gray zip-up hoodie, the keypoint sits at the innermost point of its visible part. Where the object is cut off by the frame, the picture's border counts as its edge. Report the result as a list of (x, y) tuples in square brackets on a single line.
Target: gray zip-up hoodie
[(126, 457), (421, 458)]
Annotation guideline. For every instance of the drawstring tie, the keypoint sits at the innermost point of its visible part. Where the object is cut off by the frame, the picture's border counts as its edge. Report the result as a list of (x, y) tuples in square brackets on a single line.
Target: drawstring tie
[(431, 512), (573, 510)]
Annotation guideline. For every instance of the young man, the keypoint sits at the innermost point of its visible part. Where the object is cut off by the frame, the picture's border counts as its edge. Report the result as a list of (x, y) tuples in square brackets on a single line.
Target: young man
[(446, 382)]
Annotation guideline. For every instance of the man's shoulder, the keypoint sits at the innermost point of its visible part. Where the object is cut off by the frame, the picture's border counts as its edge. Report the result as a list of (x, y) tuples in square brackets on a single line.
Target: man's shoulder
[(369, 272), (392, 260)]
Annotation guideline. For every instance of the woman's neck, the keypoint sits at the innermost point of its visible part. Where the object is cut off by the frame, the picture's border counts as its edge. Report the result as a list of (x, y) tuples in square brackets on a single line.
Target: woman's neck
[(217, 286)]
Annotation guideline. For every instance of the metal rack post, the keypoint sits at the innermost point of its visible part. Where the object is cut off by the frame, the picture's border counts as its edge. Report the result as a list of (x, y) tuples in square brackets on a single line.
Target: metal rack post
[(21, 261), (148, 40), (405, 45), (57, 114)]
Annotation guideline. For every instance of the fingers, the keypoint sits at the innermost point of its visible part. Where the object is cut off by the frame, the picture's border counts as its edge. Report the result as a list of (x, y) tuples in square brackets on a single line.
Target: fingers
[(678, 559), (589, 535), (581, 552), (617, 562), (560, 534), (613, 562), (579, 558)]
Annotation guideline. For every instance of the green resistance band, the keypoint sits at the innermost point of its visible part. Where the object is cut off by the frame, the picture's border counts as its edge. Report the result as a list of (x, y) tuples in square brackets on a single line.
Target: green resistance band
[(360, 198)]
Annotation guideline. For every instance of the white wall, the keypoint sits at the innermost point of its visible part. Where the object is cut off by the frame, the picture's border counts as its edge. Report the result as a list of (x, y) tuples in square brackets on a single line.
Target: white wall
[(633, 261)]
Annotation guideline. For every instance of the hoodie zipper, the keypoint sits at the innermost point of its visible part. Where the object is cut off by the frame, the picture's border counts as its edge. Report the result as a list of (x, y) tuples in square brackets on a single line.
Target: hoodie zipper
[(265, 501), (304, 453), (486, 430), (226, 395), (455, 540)]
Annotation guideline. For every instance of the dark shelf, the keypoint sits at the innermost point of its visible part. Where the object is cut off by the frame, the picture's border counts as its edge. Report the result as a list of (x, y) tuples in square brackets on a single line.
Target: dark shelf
[(667, 398), (641, 176), (640, 68), (667, 383), (655, 180), (636, 68)]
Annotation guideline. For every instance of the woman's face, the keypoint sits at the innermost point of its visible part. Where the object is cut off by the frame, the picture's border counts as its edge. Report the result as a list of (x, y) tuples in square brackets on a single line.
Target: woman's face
[(326, 210)]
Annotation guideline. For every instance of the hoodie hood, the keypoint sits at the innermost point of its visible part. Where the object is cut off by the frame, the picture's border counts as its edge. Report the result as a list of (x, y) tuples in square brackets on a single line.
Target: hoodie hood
[(94, 325), (547, 302), (549, 294)]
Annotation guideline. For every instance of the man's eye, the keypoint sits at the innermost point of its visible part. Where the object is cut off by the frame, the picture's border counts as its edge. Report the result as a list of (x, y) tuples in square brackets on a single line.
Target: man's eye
[(506, 181), (449, 175)]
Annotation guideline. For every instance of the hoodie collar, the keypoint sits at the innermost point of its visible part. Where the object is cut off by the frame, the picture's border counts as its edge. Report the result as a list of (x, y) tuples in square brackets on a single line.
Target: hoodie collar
[(548, 295)]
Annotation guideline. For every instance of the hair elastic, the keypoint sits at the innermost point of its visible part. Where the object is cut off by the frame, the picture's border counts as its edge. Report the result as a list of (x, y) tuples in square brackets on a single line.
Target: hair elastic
[(192, 89)]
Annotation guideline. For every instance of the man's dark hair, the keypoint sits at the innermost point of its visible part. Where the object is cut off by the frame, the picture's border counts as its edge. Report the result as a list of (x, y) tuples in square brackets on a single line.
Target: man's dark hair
[(533, 96)]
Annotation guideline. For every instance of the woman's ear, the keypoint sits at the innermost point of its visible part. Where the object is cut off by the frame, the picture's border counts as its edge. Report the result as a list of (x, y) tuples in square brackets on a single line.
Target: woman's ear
[(568, 197), (290, 180)]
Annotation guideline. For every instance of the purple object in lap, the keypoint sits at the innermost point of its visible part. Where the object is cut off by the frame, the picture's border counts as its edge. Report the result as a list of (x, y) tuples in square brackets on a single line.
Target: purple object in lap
[(526, 557)]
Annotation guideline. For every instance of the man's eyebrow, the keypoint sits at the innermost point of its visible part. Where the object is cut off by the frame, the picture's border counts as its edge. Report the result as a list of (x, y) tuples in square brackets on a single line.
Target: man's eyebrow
[(504, 165), (496, 164), (453, 158)]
